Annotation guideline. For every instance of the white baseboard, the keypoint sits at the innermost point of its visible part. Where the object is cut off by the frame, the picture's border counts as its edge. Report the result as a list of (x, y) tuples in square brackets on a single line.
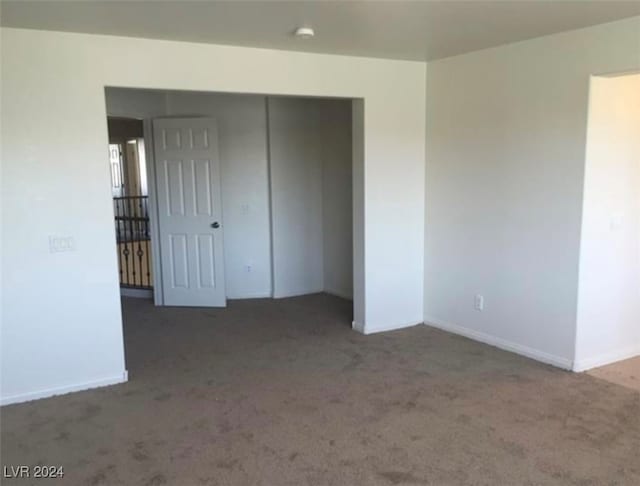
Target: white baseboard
[(256, 295), (50, 392), (284, 295), (296, 293), (363, 329), (532, 353), (136, 293), (358, 327), (605, 359), (338, 293)]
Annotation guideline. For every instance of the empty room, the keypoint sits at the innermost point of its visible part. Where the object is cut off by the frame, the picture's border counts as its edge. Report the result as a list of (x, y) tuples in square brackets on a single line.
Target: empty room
[(320, 242)]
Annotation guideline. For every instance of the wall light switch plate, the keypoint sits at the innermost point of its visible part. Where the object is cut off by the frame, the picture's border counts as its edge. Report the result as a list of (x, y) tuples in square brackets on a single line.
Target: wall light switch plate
[(59, 244), (478, 302)]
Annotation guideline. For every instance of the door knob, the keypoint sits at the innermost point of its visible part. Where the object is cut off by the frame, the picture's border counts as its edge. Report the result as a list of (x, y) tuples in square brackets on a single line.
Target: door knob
[(215, 224)]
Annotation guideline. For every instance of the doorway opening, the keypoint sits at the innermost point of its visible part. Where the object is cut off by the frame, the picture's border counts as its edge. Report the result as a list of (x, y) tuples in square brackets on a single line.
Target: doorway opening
[(244, 196), (129, 188), (608, 324)]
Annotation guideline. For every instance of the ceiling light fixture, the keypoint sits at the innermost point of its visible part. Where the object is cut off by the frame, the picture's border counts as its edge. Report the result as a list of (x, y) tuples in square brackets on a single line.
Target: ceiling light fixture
[(304, 32)]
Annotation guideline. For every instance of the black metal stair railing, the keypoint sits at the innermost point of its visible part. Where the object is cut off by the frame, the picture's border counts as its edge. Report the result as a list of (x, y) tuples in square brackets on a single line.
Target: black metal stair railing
[(134, 241)]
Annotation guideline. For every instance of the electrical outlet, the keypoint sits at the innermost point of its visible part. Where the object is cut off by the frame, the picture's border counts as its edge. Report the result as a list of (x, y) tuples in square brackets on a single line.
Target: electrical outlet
[(59, 244), (478, 302), (247, 268)]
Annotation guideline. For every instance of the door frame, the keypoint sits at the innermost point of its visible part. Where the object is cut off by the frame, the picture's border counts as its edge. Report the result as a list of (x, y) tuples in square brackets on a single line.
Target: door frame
[(154, 227), (357, 186)]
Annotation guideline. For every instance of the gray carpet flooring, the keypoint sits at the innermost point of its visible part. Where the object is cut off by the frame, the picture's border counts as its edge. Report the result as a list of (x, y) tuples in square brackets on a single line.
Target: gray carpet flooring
[(279, 393), (625, 373)]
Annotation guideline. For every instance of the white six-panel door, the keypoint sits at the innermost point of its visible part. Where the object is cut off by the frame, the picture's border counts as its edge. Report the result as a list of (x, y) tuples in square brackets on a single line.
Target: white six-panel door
[(187, 170)]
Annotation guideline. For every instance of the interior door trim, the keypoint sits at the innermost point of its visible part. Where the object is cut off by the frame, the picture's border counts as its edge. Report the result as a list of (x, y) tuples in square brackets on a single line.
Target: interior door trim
[(158, 290)]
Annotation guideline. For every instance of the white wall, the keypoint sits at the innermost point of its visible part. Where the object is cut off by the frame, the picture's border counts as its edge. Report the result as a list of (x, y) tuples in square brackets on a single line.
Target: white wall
[(141, 104), (337, 190), (506, 137), (296, 196), (242, 136), (609, 287), (61, 322), (358, 203)]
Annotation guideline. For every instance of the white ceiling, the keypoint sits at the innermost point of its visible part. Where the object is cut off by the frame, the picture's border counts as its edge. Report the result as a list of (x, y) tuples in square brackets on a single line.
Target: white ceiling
[(421, 30)]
